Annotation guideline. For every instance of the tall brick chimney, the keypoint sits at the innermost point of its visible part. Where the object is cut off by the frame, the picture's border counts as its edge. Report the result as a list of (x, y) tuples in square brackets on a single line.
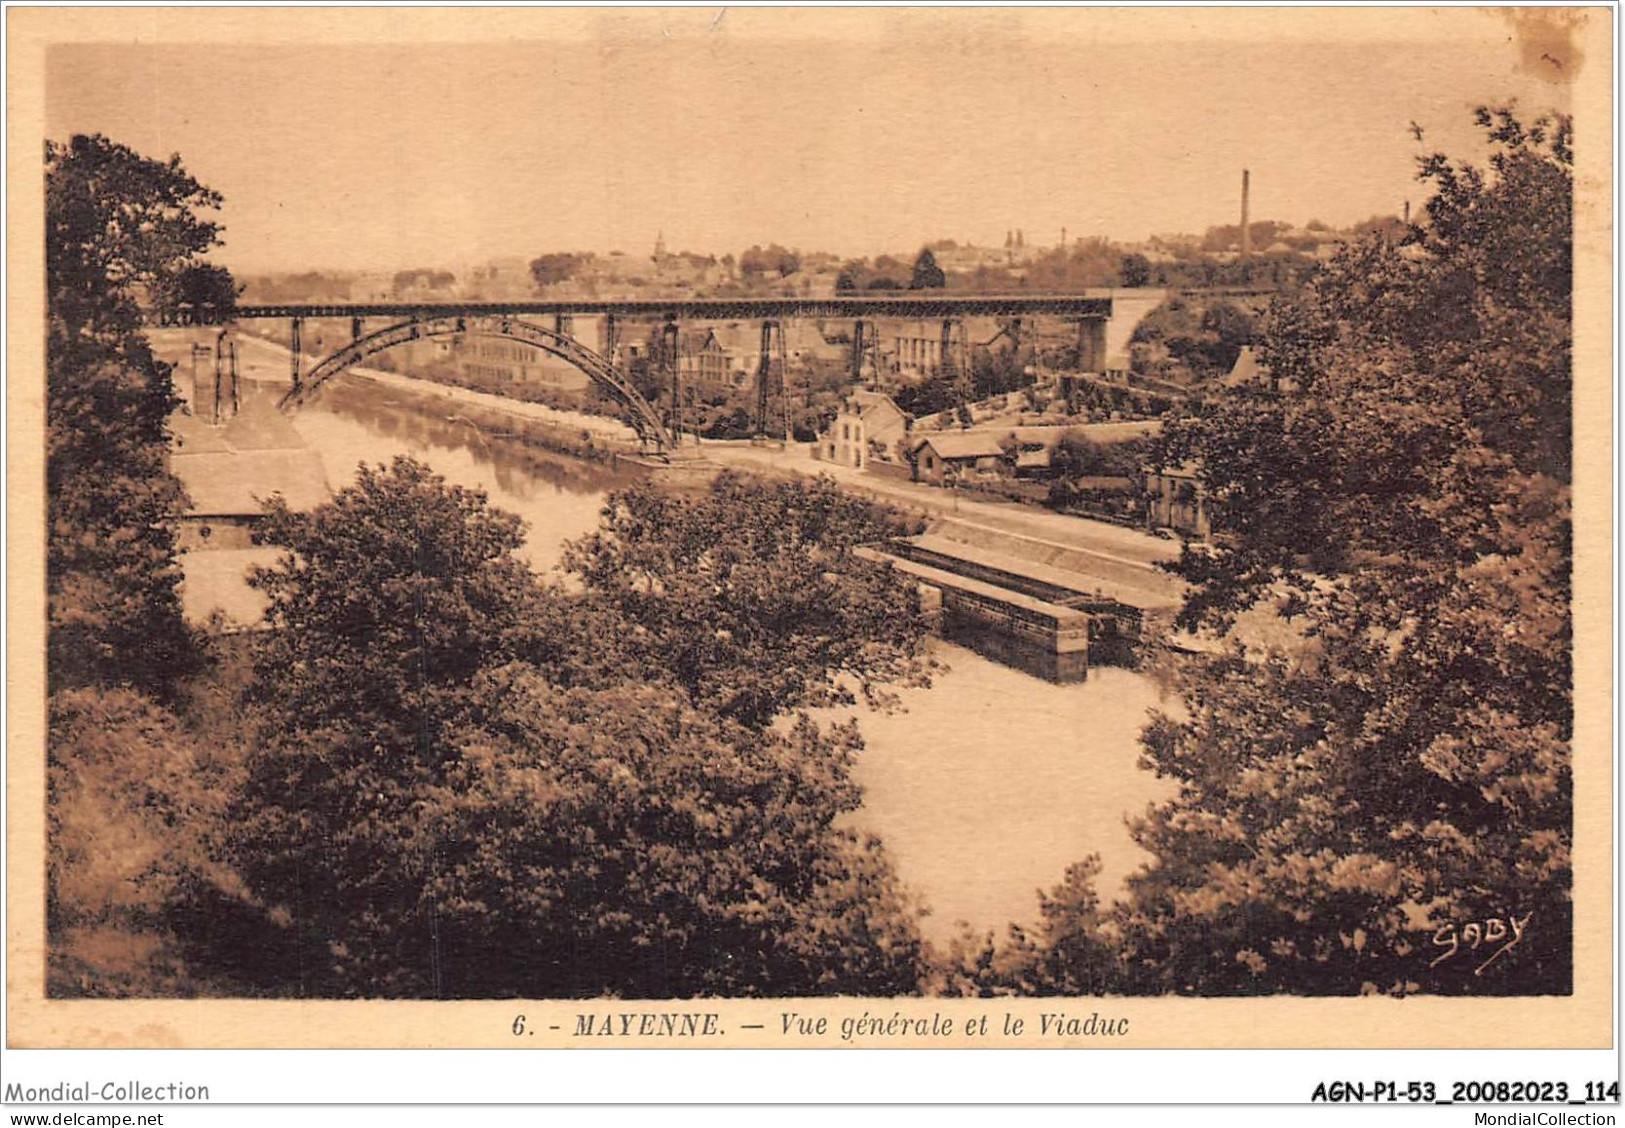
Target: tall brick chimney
[(1246, 233)]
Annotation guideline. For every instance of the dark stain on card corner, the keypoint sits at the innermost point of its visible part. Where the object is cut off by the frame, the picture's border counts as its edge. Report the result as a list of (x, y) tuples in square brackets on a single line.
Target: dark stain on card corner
[(1546, 41)]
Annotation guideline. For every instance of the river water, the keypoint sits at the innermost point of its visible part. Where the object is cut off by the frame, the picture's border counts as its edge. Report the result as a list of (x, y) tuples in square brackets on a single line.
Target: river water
[(985, 786)]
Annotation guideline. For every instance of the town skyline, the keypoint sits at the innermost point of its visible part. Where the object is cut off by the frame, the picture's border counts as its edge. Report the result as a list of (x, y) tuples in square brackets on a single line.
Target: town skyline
[(390, 156)]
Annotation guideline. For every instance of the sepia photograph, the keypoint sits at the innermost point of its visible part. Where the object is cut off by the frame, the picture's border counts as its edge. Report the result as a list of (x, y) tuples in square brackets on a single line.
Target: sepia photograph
[(942, 512)]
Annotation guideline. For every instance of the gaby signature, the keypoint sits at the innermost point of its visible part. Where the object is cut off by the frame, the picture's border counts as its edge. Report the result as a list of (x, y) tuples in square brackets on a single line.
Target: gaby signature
[(1481, 934)]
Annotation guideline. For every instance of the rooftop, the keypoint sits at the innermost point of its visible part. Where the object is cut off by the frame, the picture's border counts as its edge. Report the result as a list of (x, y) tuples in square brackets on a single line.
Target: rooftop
[(964, 444)]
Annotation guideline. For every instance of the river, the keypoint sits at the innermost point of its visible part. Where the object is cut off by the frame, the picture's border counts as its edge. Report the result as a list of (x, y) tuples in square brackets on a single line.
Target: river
[(985, 786)]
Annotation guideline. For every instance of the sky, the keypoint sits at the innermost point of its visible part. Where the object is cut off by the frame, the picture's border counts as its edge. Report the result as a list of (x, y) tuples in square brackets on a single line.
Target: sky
[(855, 133)]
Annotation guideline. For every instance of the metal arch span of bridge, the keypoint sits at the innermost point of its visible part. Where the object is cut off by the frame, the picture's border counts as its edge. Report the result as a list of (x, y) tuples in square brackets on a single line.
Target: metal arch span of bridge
[(641, 414)]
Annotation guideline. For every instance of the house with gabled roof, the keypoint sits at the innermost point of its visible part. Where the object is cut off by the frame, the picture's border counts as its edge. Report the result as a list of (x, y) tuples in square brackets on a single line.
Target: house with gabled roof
[(867, 430)]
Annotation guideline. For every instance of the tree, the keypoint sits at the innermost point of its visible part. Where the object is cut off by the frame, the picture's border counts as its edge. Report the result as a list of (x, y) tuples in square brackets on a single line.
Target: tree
[(929, 397), (647, 849), (122, 234), (134, 813), (1191, 339), (551, 269), (1068, 954), (469, 785), (752, 596), (1077, 456), (1406, 769), (773, 260), (1136, 271), (1352, 797), (386, 603), (927, 274), (998, 371), (205, 292), (426, 278), (117, 227)]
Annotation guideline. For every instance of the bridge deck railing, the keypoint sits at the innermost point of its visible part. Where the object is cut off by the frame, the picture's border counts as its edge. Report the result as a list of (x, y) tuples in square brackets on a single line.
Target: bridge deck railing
[(936, 305)]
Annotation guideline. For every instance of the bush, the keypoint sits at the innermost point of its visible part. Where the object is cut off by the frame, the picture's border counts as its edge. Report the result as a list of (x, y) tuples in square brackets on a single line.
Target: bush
[(134, 811)]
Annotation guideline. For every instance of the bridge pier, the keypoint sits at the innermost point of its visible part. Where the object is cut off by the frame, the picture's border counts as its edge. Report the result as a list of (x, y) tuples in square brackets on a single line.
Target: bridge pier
[(670, 347), (1091, 344), (949, 365), (199, 351), (214, 395), (355, 328), (296, 352), (764, 377), (219, 375)]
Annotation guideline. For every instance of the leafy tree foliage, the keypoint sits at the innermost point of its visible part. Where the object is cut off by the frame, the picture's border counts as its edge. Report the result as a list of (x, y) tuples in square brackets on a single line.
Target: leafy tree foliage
[(1135, 271), (118, 226), (386, 604), (1080, 264), (998, 371), (885, 273), (1350, 803), (1190, 340), (472, 785), (122, 233), (1227, 237), (205, 290), (774, 259), (1070, 953), (641, 847), (559, 266), (112, 573), (927, 274), (134, 812), (1408, 767), (930, 396), (752, 596), (426, 278), (1077, 455)]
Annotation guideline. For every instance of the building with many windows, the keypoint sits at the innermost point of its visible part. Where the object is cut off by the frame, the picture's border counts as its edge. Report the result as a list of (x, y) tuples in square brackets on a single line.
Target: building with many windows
[(703, 361), (509, 363), (916, 347)]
